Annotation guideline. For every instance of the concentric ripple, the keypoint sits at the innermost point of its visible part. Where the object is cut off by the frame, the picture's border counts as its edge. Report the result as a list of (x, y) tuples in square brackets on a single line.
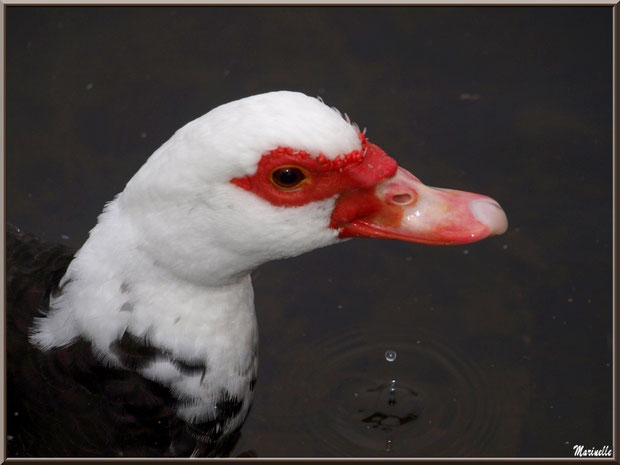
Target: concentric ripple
[(430, 401)]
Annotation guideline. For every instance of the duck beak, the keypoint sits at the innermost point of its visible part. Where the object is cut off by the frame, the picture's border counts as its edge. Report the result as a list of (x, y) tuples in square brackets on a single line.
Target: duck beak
[(403, 208)]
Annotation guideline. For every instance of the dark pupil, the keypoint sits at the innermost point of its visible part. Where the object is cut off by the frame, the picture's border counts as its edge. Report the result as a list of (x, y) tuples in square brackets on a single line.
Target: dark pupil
[(287, 177)]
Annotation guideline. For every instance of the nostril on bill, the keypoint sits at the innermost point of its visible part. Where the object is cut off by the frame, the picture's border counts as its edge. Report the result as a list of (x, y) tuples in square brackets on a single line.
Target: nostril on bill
[(403, 199)]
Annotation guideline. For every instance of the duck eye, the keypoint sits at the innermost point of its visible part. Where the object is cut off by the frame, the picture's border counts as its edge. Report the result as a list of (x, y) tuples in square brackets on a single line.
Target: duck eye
[(288, 177)]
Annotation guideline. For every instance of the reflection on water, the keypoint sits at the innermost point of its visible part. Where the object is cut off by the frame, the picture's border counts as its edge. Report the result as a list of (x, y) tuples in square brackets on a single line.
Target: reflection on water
[(389, 410)]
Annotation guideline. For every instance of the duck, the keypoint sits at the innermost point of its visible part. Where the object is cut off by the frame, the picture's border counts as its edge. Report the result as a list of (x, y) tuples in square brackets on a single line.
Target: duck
[(144, 342)]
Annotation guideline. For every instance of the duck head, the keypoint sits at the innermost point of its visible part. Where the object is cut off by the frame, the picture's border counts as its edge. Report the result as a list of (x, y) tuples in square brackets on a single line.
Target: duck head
[(279, 174)]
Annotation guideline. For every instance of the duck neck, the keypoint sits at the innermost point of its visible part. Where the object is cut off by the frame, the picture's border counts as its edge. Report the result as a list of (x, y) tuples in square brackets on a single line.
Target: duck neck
[(114, 286), (199, 340)]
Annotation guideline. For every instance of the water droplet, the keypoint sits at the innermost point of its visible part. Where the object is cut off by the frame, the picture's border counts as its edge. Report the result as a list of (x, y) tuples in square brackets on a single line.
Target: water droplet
[(390, 355), (392, 398)]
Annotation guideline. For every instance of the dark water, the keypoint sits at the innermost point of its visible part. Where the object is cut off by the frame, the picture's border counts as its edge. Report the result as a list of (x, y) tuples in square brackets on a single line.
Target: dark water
[(504, 348)]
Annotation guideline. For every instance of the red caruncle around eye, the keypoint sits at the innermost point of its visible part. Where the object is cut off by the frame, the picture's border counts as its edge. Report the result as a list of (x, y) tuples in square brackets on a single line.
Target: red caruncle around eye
[(289, 177)]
